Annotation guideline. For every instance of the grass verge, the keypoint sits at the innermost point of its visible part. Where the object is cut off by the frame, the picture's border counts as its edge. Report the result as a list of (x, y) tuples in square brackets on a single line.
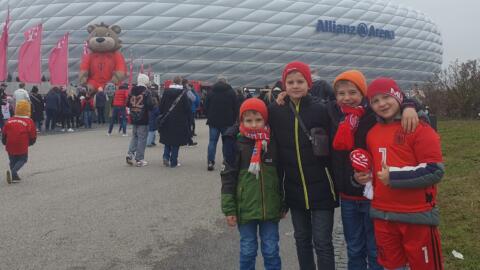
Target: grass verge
[(459, 193)]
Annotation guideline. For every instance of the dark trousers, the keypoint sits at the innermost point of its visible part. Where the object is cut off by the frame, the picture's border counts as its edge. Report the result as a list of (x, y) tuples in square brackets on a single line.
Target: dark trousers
[(51, 119), (313, 231), (67, 120), (17, 162), (101, 115)]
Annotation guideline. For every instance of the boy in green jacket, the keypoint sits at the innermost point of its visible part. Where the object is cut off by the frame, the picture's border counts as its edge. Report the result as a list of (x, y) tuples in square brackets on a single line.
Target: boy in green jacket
[(251, 192)]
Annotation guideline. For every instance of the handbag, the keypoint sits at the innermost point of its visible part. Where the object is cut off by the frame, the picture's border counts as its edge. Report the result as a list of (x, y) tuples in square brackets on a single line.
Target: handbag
[(317, 136), (162, 118)]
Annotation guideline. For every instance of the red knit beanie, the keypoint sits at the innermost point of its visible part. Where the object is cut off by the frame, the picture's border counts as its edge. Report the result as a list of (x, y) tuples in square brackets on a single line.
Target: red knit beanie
[(298, 66), (254, 104), (385, 86)]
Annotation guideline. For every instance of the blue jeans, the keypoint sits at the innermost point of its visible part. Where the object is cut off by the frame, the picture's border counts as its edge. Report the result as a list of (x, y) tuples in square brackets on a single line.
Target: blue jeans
[(17, 162), (151, 137), (87, 118), (170, 153), (138, 142), (120, 114), (38, 125), (214, 134), (269, 238), (314, 226), (101, 115), (359, 235)]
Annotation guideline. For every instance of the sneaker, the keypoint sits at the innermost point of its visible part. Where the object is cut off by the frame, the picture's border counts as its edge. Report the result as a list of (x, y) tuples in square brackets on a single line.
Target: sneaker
[(109, 134), (178, 165), (70, 130), (166, 163), (211, 165), (124, 135), (62, 130), (15, 179), (193, 144), (194, 134), (9, 177), (141, 163), (129, 159)]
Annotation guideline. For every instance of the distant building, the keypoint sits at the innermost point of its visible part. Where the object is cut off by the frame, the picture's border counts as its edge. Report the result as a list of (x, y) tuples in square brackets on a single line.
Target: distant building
[(248, 41)]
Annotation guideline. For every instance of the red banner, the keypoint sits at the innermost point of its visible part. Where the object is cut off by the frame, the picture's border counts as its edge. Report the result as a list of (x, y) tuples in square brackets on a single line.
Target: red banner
[(58, 62), (3, 49), (130, 73), (29, 63)]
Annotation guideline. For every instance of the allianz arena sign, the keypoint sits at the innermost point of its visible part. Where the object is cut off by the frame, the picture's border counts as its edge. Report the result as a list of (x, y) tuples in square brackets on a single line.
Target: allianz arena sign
[(362, 29)]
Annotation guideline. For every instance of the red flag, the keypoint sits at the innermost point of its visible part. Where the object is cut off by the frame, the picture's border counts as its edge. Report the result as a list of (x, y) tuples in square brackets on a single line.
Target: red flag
[(130, 73), (58, 62), (3, 49), (29, 63)]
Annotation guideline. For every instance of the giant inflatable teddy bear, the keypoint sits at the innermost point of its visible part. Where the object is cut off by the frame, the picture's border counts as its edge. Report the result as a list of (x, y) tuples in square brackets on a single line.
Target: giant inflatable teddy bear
[(105, 62)]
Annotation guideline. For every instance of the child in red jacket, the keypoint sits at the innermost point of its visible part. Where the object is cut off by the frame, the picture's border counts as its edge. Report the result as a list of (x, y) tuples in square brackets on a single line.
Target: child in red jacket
[(406, 169), (18, 133)]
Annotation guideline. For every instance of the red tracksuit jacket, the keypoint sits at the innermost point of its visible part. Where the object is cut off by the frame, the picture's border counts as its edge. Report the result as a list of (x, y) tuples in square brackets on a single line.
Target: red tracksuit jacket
[(17, 134)]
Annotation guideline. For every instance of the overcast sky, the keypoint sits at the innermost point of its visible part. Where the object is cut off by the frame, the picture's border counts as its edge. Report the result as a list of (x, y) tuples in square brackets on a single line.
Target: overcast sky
[(458, 23)]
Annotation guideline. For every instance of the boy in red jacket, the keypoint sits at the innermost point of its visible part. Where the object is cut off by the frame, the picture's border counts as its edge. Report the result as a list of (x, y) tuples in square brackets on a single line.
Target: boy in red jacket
[(18, 133), (406, 169)]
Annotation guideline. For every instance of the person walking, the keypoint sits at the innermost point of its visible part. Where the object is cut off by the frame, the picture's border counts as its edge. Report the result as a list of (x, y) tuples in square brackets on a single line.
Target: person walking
[(140, 104), (100, 101), (175, 129), (119, 111), (221, 108), (52, 107), (195, 101), (38, 108)]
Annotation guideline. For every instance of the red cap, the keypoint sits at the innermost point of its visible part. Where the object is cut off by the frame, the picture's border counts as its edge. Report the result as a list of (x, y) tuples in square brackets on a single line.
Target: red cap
[(385, 86), (254, 104), (298, 66)]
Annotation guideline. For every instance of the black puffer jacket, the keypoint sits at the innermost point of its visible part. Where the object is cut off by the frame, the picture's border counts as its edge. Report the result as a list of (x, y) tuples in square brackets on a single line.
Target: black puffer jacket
[(221, 106), (305, 175)]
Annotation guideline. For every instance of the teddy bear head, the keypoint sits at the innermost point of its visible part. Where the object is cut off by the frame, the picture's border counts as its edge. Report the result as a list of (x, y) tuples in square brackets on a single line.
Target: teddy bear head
[(103, 38)]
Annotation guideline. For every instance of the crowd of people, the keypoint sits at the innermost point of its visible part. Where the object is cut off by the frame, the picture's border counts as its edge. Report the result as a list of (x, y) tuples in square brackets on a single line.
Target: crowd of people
[(304, 148)]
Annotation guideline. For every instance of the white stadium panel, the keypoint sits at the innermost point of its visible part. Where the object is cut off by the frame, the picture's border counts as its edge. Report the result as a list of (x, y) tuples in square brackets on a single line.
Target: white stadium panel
[(248, 41)]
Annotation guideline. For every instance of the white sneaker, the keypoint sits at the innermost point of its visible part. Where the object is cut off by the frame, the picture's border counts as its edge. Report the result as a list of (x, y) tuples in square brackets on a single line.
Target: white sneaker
[(124, 135), (62, 130), (109, 134), (70, 130), (141, 163)]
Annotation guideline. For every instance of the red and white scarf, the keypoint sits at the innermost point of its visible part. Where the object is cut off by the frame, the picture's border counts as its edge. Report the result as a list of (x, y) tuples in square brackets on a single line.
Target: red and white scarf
[(344, 138), (262, 139)]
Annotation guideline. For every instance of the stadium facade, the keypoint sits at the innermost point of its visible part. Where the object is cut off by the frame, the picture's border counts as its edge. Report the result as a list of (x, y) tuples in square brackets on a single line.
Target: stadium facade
[(248, 41)]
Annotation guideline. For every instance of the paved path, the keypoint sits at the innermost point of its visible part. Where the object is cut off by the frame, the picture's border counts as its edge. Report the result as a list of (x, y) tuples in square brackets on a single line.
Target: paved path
[(81, 207)]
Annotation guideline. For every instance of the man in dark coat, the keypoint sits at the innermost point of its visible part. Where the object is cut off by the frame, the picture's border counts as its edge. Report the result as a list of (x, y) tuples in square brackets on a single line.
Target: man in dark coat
[(100, 102), (221, 108), (52, 107), (175, 130), (38, 107)]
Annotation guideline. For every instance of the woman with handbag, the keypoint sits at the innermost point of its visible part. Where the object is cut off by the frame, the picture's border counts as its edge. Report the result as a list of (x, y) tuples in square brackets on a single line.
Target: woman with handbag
[(300, 127), (173, 122)]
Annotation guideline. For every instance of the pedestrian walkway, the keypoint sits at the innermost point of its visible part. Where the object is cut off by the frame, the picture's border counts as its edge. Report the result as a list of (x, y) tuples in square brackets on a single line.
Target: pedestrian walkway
[(79, 206)]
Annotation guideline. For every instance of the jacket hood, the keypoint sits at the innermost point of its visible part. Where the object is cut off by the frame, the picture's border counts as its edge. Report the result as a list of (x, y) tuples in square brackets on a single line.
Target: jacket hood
[(138, 90)]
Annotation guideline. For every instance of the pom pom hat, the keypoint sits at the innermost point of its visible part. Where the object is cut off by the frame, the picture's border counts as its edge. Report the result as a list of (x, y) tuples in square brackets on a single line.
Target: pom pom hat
[(384, 86), (298, 66), (143, 80), (23, 108), (254, 104), (354, 76)]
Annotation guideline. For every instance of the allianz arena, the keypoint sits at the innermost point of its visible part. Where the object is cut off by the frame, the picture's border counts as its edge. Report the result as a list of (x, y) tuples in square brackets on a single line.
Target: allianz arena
[(248, 41)]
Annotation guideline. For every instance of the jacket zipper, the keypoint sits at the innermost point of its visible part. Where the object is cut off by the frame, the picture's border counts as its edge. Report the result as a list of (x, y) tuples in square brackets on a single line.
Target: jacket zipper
[(299, 160), (332, 190), (262, 189)]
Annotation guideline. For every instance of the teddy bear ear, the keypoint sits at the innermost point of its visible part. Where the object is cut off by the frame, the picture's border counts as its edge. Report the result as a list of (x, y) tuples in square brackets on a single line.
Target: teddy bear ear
[(90, 28), (116, 29)]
